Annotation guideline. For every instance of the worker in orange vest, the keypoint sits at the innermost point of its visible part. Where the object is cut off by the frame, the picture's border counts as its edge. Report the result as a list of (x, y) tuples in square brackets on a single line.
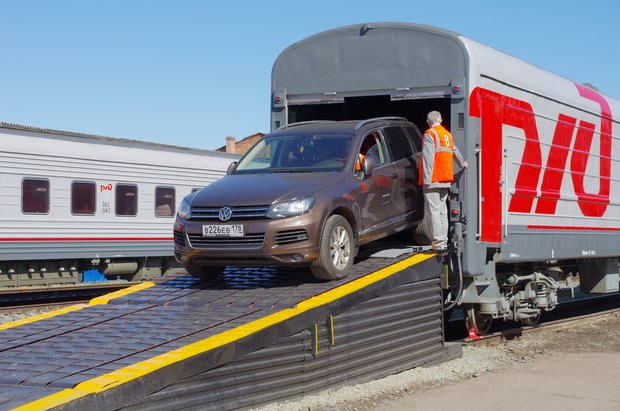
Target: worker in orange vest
[(436, 176)]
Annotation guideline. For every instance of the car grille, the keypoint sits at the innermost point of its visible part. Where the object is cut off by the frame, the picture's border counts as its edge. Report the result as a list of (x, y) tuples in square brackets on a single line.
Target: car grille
[(179, 238), (238, 212), (290, 236), (247, 241)]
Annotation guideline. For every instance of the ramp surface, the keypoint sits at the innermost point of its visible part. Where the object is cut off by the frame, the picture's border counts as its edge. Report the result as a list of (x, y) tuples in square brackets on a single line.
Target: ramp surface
[(110, 355)]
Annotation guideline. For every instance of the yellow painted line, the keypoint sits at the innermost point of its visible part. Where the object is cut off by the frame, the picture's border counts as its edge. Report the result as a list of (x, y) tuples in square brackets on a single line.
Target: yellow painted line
[(42, 316), (142, 368), (104, 299)]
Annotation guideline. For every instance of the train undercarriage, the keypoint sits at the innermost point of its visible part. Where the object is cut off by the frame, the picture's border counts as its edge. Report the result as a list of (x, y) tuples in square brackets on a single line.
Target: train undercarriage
[(524, 292), (73, 271)]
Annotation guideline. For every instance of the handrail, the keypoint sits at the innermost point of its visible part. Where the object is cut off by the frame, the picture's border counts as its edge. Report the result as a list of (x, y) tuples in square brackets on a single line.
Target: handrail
[(301, 123)]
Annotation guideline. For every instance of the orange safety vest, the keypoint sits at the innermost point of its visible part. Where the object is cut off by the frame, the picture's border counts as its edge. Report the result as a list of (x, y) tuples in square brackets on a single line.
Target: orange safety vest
[(444, 150), (359, 162)]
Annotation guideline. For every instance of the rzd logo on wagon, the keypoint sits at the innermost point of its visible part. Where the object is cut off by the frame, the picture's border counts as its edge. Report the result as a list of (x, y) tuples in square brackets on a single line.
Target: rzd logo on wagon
[(570, 136)]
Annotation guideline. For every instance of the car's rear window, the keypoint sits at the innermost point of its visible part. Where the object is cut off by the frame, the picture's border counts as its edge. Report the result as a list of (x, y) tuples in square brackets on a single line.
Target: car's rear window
[(297, 153)]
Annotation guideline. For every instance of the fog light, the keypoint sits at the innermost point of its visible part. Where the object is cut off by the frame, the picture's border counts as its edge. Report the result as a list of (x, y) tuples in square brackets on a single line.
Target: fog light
[(297, 257)]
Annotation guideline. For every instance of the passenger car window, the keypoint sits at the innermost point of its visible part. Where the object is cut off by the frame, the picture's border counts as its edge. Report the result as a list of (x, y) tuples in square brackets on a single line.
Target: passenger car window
[(126, 200), (415, 137), (399, 143), (164, 202), (83, 198), (35, 196)]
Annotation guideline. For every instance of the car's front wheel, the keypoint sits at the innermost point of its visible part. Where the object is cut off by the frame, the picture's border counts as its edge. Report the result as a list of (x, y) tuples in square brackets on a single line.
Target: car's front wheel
[(204, 272), (336, 250)]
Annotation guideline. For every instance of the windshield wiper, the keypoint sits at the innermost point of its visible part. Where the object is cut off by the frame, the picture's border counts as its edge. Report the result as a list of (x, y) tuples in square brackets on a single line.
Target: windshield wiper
[(290, 170)]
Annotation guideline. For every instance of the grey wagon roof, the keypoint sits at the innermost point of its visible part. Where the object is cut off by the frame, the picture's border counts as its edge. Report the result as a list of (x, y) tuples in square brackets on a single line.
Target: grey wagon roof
[(112, 140)]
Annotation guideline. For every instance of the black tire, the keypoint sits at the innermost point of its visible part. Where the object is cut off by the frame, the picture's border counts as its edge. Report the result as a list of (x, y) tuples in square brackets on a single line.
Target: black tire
[(422, 232), (204, 272), (323, 267)]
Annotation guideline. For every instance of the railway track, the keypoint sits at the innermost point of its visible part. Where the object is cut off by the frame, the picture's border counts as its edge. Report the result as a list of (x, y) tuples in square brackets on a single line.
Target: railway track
[(16, 300), (566, 316)]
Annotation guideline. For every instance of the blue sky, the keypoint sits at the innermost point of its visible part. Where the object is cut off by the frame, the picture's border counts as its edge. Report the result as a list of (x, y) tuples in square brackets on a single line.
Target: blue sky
[(192, 72)]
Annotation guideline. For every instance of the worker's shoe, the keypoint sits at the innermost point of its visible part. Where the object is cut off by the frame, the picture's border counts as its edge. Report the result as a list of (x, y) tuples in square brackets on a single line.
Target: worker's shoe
[(441, 248)]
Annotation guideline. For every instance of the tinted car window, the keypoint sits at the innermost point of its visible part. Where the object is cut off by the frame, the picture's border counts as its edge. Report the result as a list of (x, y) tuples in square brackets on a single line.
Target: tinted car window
[(35, 196), (373, 146), (416, 137), (126, 200), (398, 142), (83, 198)]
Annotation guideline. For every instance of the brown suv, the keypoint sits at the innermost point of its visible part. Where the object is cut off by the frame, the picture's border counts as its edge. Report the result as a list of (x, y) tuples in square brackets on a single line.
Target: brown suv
[(307, 194)]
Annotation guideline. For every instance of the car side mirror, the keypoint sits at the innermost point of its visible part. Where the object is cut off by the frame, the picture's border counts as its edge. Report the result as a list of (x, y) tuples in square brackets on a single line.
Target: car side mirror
[(369, 165), (231, 168)]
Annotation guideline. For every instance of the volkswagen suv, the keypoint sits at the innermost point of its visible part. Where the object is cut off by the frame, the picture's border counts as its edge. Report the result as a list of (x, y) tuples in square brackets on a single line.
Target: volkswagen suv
[(308, 194)]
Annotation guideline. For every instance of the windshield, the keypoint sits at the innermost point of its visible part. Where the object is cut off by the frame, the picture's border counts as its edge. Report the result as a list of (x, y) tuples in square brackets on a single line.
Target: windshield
[(297, 153)]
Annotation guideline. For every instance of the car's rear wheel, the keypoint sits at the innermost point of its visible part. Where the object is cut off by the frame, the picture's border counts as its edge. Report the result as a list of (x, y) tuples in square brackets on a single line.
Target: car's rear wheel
[(204, 272), (422, 232), (336, 250)]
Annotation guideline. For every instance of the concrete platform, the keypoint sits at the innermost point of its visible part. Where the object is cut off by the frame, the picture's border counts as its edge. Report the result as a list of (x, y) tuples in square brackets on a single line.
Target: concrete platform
[(587, 381)]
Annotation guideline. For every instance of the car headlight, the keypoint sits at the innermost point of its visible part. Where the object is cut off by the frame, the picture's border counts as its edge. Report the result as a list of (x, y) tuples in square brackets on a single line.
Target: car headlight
[(291, 208), (185, 210)]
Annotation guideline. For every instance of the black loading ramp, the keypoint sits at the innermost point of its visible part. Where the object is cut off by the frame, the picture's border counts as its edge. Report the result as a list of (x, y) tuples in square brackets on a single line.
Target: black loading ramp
[(254, 336)]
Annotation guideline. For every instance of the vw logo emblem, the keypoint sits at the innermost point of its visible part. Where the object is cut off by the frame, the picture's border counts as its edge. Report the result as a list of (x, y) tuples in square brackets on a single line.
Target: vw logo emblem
[(225, 213)]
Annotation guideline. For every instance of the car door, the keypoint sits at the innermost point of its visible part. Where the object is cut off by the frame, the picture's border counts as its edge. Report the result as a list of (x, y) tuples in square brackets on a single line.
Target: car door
[(377, 191), (404, 152)]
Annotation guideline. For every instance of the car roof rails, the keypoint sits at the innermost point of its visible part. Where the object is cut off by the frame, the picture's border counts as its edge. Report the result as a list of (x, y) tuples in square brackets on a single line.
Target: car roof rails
[(372, 120), (302, 123)]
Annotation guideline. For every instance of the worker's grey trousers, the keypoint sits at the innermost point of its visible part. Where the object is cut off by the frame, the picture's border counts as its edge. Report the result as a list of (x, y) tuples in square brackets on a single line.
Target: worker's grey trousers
[(435, 207)]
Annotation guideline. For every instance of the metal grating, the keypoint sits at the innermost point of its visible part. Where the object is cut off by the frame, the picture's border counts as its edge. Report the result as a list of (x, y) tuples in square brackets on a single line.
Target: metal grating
[(238, 212), (179, 238), (290, 236), (247, 241), (397, 331)]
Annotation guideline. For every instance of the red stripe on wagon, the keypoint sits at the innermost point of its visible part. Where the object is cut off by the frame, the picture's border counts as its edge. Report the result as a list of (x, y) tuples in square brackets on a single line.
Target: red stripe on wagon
[(561, 227)]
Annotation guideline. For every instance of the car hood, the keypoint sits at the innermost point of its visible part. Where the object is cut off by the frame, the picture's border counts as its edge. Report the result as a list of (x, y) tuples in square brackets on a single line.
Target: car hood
[(263, 189)]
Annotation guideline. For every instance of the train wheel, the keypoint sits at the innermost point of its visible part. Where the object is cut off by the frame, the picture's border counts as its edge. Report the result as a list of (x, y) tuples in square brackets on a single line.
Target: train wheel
[(205, 272), (477, 322), (532, 321)]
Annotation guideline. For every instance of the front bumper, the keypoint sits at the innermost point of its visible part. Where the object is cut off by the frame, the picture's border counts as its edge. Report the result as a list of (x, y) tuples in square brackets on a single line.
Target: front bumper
[(282, 244)]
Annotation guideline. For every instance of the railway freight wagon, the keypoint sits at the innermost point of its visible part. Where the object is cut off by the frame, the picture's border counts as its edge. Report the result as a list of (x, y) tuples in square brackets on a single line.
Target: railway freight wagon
[(71, 202), (540, 200)]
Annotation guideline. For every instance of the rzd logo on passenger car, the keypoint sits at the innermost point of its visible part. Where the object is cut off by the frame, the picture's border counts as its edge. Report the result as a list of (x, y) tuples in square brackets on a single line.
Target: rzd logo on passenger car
[(496, 110)]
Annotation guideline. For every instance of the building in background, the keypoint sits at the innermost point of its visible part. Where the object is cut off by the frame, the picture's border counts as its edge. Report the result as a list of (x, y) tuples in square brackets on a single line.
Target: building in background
[(240, 147)]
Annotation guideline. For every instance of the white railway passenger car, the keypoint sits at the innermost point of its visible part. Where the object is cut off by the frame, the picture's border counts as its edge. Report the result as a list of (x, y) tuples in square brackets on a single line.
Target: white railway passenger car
[(71, 201)]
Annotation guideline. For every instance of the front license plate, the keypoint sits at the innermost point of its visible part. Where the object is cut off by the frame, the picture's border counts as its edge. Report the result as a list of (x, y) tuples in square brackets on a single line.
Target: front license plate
[(222, 230)]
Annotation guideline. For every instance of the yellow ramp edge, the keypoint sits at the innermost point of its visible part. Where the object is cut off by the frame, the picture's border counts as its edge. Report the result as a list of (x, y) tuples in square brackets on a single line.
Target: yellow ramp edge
[(139, 369), (104, 299)]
